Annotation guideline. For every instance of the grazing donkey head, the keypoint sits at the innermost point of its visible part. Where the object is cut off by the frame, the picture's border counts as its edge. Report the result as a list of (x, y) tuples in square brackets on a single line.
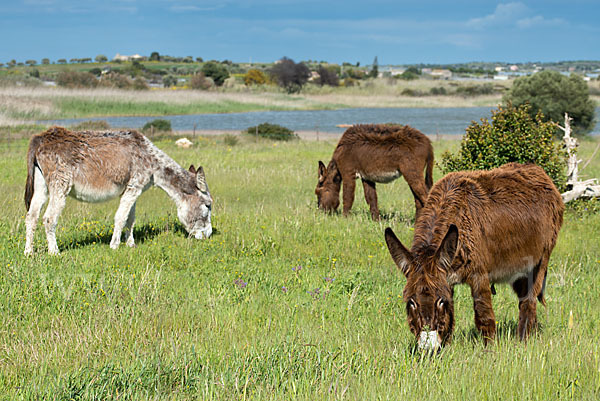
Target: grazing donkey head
[(428, 296), (328, 187), (194, 211)]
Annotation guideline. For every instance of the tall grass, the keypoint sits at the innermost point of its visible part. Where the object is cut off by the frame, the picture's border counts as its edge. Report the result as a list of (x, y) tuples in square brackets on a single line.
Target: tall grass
[(283, 302)]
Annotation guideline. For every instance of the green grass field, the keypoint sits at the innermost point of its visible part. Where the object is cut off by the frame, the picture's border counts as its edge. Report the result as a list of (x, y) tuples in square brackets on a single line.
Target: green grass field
[(282, 302)]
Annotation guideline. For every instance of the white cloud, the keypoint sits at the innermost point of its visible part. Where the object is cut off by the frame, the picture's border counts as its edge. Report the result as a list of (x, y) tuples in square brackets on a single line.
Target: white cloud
[(503, 14), (538, 20)]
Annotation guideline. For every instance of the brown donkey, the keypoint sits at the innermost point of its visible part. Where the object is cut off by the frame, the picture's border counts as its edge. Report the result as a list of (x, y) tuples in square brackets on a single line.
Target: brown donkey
[(98, 166), (375, 154), (479, 228)]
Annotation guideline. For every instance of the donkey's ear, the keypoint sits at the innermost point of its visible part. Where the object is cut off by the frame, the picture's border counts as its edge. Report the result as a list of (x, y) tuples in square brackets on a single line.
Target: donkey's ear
[(447, 249), (192, 169), (322, 170), (201, 180), (402, 256)]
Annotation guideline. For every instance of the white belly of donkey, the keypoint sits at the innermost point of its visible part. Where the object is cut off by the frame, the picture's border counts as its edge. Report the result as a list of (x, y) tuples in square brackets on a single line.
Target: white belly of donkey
[(380, 177), (86, 192)]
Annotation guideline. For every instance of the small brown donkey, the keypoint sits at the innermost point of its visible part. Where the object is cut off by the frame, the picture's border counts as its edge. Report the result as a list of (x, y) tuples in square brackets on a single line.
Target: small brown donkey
[(375, 154), (479, 228), (98, 166)]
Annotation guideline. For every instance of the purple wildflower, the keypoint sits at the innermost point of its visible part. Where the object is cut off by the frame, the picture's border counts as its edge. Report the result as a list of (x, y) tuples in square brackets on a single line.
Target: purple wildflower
[(284, 289), (240, 283), (329, 279), (297, 268)]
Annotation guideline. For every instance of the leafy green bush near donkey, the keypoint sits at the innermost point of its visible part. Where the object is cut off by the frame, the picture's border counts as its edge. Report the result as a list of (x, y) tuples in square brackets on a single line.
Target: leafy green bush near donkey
[(272, 131), (157, 125), (513, 135)]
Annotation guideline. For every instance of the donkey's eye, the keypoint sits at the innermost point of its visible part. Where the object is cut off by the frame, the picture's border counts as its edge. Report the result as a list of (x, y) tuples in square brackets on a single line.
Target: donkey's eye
[(441, 302), (411, 304)]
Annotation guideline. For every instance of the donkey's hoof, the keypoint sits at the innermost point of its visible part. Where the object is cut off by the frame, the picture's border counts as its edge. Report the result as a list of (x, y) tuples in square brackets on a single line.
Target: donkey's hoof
[(28, 252), (114, 246)]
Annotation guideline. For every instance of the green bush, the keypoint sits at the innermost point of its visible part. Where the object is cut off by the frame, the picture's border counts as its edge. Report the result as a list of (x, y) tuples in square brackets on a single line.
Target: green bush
[(218, 72), (157, 125), (272, 131), (555, 94), (91, 125), (512, 136)]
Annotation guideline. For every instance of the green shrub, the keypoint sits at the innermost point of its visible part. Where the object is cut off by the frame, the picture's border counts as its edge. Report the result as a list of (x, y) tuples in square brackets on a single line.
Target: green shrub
[(555, 94), (230, 140), (272, 131), (512, 136), (157, 125), (218, 72), (91, 125)]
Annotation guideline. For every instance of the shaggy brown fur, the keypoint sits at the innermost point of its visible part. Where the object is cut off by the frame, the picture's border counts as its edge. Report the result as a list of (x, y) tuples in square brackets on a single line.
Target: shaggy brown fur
[(376, 154), (480, 228)]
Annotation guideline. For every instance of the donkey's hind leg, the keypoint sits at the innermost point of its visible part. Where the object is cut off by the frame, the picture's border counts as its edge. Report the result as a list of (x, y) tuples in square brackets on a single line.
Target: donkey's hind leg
[(529, 290), (58, 198), (129, 227), (40, 196), (123, 214)]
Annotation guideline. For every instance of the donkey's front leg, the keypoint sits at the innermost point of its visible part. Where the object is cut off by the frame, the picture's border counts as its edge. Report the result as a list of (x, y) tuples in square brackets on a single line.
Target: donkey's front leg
[(123, 212), (129, 227), (485, 319), (348, 184)]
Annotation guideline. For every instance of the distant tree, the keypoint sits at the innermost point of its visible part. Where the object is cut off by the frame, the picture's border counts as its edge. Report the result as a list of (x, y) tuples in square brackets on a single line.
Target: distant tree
[(45, 61), (73, 60), (327, 76), (1, 64), (290, 75), (375, 69), (199, 59), (188, 59), (85, 60), (154, 56), (101, 58), (34, 73), (61, 61), (12, 63), (555, 94), (31, 62), (218, 72), (255, 77)]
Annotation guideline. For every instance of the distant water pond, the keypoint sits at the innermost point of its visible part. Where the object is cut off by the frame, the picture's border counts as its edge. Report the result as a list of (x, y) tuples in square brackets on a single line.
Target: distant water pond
[(429, 120)]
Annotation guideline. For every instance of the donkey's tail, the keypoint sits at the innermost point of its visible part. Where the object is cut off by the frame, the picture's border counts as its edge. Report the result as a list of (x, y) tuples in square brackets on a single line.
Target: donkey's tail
[(429, 170), (31, 161)]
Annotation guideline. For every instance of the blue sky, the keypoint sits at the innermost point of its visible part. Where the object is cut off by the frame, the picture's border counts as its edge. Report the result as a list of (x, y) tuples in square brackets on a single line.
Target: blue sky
[(397, 32)]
